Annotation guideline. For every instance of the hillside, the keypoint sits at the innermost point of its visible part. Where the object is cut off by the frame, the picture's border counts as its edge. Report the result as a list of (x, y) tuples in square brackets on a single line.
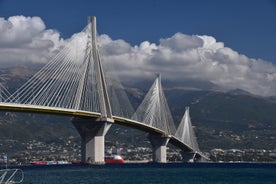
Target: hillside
[(227, 120), (234, 119)]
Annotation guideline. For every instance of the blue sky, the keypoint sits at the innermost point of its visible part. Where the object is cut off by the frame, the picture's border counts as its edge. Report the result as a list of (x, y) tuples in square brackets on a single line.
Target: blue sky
[(246, 26)]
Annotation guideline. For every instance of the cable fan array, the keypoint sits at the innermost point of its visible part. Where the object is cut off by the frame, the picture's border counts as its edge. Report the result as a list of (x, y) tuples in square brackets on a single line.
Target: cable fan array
[(154, 109), (70, 81), (67, 81), (185, 131)]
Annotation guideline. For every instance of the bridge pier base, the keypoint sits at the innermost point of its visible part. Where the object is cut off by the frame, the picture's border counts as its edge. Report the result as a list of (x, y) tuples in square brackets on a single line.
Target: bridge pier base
[(188, 156), (92, 134), (159, 148)]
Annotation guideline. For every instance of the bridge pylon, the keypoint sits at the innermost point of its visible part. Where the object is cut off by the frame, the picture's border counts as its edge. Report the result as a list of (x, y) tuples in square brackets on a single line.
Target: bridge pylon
[(186, 134), (92, 130), (154, 111), (105, 107)]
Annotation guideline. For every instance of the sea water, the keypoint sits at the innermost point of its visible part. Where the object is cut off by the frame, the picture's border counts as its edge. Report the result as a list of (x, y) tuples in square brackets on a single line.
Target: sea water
[(152, 173)]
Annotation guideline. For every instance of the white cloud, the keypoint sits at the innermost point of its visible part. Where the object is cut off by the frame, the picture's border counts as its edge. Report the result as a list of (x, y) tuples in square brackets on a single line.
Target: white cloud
[(176, 42), (26, 39), (192, 57)]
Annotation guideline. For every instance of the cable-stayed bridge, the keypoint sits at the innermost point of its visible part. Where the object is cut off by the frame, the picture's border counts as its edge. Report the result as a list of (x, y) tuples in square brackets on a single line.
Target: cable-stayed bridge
[(74, 83)]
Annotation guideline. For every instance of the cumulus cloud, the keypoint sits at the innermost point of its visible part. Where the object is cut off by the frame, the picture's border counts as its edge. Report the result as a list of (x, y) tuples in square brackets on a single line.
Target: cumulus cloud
[(26, 40), (179, 57), (184, 57)]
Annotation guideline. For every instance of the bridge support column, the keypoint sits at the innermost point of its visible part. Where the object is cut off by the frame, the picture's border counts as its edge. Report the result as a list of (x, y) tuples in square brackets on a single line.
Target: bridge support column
[(159, 148), (92, 139)]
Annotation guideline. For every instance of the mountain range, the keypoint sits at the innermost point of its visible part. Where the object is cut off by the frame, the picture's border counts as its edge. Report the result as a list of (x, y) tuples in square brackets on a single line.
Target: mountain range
[(221, 118)]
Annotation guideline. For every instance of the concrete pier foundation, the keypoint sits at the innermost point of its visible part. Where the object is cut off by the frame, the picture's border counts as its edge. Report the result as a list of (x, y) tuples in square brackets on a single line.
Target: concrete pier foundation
[(92, 134), (188, 156), (159, 148)]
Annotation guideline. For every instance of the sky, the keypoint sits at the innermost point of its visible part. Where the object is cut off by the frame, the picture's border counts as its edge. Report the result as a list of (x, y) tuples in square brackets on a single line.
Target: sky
[(229, 43)]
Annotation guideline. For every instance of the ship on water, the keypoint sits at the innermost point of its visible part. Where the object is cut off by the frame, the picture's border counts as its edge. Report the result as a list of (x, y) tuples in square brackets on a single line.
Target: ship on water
[(44, 162), (114, 159), (111, 159)]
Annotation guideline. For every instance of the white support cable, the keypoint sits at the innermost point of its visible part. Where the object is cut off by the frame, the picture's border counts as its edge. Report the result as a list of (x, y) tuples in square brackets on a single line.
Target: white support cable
[(46, 86), (72, 79), (15, 97), (51, 81), (21, 92), (63, 86), (4, 93), (48, 91), (81, 86), (154, 110), (185, 132), (71, 93)]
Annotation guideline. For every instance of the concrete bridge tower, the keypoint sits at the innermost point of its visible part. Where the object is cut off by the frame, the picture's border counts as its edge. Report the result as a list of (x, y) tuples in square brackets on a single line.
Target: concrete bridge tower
[(93, 130)]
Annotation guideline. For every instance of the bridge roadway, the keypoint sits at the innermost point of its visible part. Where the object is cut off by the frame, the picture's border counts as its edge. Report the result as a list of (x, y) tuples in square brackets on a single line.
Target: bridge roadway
[(79, 113)]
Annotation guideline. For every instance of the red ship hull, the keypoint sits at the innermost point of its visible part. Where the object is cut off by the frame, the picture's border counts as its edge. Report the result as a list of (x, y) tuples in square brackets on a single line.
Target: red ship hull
[(115, 159)]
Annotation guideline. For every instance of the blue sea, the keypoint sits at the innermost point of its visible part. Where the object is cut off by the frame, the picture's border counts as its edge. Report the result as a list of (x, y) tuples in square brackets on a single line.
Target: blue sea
[(150, 173)]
